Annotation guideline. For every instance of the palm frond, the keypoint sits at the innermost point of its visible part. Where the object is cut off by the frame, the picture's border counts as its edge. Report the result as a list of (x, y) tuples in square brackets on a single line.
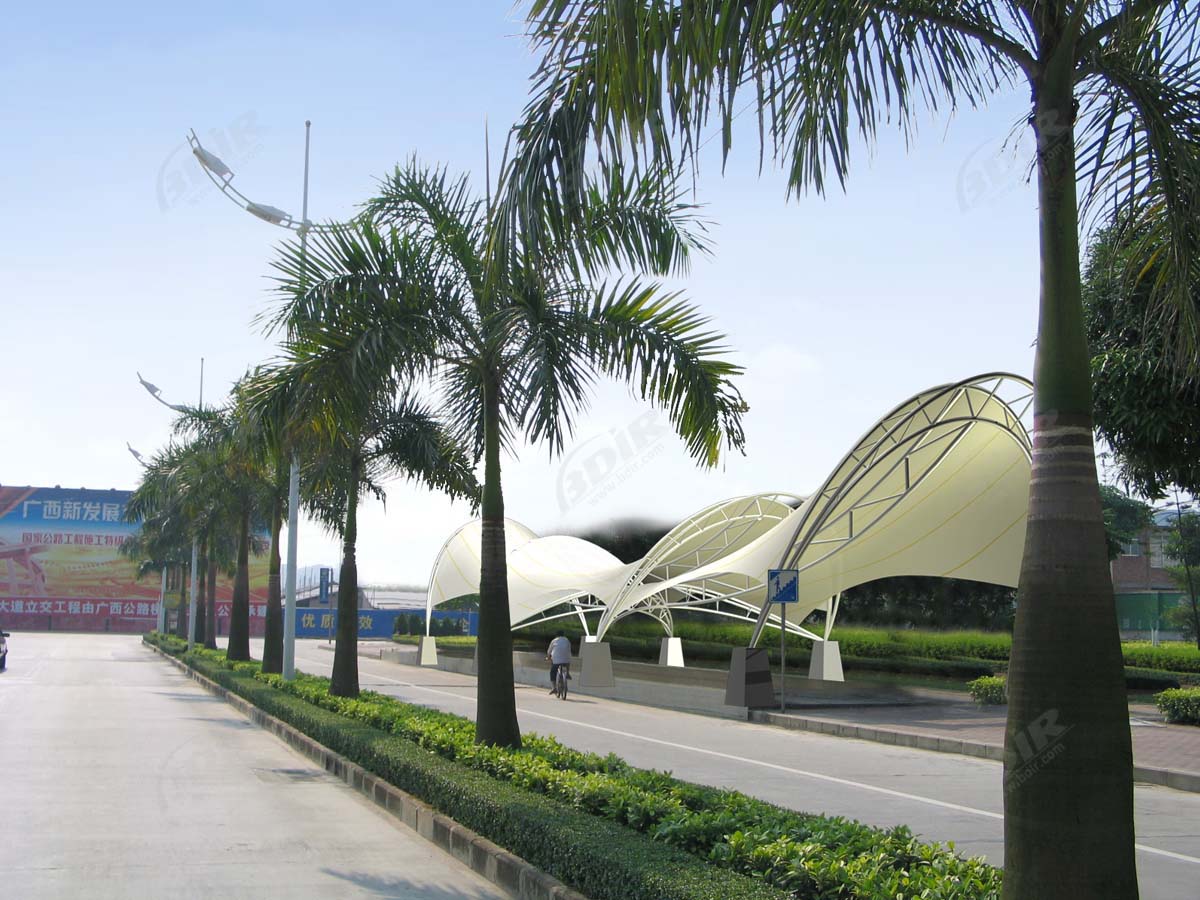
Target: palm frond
[(664, 348)]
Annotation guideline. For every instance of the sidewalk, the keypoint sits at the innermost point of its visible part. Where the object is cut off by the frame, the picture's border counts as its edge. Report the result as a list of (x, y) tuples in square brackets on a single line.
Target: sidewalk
[(1162, 754)]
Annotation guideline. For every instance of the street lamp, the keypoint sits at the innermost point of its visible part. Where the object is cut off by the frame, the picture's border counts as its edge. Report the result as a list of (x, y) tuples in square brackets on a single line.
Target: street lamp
[(156, 392), (222, 176)]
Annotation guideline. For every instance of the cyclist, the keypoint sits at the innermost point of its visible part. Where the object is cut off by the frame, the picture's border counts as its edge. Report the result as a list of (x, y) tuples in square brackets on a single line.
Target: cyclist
[(559, 654)]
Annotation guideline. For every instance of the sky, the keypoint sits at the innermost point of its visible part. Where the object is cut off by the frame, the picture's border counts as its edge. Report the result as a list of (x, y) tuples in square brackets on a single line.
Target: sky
[(118, 256)]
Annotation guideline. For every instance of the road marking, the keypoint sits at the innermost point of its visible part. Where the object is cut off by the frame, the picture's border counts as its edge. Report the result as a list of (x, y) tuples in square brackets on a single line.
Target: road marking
[(819, 776)]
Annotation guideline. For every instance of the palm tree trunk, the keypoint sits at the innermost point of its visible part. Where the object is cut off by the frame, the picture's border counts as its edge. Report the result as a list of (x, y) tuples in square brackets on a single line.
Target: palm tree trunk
[(1068, 787), (496, 706), (239, 613), (181, 616), (272, 660), (345, 652), (201, 618), (210, 606)]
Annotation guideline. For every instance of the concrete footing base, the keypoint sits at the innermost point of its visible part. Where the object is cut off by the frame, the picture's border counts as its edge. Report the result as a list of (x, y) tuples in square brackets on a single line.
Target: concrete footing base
[(826, 664), (749, 681), (670, 652), (595, 660), (427, 651)]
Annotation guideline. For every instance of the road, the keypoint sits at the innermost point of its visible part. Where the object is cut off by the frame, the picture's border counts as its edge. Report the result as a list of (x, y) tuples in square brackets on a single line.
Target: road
[(125, 779), (942, 797)]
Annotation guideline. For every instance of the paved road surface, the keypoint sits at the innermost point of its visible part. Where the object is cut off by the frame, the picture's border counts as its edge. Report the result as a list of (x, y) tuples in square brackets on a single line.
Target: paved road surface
[(124, 779), (941, 796)]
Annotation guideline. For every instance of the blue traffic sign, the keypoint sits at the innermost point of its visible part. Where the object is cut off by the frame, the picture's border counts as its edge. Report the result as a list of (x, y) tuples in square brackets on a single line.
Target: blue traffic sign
[(783, 586)]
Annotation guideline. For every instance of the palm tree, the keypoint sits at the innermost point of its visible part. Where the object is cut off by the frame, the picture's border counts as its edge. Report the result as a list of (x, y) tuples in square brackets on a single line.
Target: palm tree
[(359, 434), (427, 284), (236, 481), (1114, 108)]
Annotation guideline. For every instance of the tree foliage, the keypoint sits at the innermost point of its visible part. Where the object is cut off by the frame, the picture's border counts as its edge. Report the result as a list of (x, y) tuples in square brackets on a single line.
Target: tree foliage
[(1146, 410)]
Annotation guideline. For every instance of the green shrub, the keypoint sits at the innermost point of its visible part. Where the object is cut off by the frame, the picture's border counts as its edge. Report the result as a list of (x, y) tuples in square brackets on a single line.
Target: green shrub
[(989, 690), (1172, 657), (818, 856), (1180, 705), (1149, 679)]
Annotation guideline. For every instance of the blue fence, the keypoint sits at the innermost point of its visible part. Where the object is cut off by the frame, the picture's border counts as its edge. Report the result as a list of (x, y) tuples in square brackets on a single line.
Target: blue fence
[(381, 623)]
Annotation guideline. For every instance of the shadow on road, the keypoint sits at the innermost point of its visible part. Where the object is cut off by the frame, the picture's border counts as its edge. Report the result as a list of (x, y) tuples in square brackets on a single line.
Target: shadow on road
[(403, 888)]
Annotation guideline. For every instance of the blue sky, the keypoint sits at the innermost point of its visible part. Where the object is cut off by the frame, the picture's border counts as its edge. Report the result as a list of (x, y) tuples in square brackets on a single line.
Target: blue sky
[(117, 256)]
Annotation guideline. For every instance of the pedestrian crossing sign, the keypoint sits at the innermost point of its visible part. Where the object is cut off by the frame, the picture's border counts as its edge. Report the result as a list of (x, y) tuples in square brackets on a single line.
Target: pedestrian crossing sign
[(783, 586)]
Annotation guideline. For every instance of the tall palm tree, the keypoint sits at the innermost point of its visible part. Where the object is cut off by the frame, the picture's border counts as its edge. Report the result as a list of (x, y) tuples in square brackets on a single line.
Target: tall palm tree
[(426, 283), (1114, 108), (233, 469), (359, 434)]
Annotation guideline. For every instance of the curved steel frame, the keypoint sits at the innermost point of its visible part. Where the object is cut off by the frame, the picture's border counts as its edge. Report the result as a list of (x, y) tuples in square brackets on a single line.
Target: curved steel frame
[(890, 461)]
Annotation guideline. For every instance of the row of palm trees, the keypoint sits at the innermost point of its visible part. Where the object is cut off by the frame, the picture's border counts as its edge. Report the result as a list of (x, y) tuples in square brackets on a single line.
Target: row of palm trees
[(501, 311), (422, 340)]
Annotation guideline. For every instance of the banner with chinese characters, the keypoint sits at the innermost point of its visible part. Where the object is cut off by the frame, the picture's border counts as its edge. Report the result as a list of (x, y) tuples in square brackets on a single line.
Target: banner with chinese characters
[(381, 623), (61, 567)]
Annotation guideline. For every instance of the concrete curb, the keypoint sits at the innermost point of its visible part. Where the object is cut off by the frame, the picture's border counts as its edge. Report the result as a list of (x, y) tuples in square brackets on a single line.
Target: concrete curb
[(497, 865), (1180, 781)]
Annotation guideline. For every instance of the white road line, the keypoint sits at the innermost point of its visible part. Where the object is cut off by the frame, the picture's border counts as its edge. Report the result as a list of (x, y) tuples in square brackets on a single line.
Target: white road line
[(819, 776)]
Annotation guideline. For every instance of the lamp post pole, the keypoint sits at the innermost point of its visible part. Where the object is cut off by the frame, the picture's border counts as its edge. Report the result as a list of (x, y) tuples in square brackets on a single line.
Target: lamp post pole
[(289, 608), (221, 175), (155, 392)]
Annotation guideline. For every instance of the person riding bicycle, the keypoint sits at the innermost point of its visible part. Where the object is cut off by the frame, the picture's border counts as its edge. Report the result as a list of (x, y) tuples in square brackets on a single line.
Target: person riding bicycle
[(559, 654)]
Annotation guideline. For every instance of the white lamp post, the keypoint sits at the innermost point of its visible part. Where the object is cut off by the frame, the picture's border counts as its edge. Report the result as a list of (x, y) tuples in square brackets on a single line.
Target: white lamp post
[(221, 175), (156, 392)]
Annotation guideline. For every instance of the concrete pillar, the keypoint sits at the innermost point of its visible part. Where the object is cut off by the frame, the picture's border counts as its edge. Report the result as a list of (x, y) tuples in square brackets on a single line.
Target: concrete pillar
[(826, 662), (427, 651), (670, 652), (750, 682), (595, 658)]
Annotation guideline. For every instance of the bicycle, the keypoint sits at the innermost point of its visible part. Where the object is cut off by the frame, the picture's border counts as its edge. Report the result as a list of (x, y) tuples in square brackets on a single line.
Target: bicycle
[(560, 681)]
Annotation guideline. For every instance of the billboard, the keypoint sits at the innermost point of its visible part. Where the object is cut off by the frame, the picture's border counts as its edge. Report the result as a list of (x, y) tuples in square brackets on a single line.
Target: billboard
[(61, 567)]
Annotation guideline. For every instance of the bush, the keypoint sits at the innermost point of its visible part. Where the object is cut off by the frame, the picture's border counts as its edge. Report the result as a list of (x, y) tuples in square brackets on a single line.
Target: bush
[(1149, 679), (988, 691), (1173, 657), (1180, 705), (525, 797)]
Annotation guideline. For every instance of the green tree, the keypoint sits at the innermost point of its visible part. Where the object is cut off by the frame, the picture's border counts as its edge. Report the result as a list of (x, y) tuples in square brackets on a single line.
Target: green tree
[(1124, 518), (363, 432), (1113, 107), (1184, 545), (513, 339), (1147, 412)]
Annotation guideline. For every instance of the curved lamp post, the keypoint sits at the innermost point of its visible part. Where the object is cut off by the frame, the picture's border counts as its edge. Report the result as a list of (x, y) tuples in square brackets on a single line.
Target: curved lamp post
[(156, 392), (221, 176)]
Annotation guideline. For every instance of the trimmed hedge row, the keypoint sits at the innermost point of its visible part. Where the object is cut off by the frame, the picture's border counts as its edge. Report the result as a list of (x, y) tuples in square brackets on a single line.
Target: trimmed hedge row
[(812, 856), (1171, 657), (601, 859), (1181, 705)]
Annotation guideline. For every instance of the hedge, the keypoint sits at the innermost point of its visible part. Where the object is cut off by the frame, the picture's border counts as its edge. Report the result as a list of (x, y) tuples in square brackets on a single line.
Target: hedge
[(813, 856), (1180, 705), (1174, 657), (601, 859)]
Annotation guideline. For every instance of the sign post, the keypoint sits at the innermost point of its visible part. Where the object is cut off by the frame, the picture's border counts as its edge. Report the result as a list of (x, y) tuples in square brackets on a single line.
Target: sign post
[(783, 588)]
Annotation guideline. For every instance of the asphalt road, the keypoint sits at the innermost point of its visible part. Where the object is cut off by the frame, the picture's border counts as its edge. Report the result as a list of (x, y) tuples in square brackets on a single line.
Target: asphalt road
[(124, 779), (942, 797)]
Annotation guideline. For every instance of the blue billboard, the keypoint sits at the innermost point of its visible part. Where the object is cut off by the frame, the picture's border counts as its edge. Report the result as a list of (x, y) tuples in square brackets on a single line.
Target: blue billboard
[(381, 623)]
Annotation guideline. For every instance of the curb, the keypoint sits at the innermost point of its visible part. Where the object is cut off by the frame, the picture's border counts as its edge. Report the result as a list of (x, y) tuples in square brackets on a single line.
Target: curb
[(497, 865), (1171, 778)]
